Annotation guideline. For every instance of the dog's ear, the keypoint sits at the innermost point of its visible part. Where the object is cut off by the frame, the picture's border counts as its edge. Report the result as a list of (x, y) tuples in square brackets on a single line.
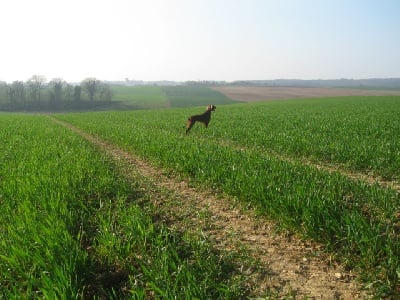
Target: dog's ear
[(209, 107)]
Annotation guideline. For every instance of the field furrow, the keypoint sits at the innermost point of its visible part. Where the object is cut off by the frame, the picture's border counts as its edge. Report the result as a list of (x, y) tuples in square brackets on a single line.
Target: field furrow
[(341, 169)]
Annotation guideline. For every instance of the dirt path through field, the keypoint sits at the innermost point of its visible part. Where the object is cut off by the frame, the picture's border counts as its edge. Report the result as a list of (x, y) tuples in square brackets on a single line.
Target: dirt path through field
[(287, 267)]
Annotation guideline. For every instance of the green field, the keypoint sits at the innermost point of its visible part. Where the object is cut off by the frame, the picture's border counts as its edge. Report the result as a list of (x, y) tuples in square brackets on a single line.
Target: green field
[(150, 97), (184, 96), (139, 97), (71, 227), (254, 153)]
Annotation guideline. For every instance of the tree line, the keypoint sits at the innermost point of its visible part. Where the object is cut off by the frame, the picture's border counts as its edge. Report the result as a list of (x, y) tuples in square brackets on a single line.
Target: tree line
[(38, 92)]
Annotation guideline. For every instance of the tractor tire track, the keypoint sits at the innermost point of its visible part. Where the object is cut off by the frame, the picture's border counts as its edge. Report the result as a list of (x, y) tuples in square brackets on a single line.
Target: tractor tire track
[(287, 267), (369, 177)]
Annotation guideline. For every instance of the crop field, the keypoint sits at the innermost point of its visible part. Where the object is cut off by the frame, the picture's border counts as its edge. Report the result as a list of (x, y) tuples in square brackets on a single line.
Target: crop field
[(151, 97), (262, 93), (184, 96), (326, 169), (140, 97), (71, 227)]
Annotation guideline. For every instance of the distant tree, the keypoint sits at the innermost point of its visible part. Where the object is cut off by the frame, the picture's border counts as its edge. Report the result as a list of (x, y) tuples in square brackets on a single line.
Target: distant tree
[(10, 93), (105, 93), (68, 92), (36, 83), (3, 91), (77, 93), (56, 85), (91, 85), (19, 90)]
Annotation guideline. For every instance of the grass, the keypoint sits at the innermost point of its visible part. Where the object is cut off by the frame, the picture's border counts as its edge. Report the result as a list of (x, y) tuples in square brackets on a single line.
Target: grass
[(152, 97), (72, 227), (358, 133), (186, 96), (356, 220), (140, 97)]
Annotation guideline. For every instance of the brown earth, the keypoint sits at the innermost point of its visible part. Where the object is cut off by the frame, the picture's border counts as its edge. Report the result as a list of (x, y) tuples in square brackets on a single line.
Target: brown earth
[(251, 93), (285, 265)]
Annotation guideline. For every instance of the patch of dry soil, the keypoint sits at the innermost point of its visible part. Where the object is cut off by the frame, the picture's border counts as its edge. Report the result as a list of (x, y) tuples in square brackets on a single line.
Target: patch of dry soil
[(251, 93), (289, 267)]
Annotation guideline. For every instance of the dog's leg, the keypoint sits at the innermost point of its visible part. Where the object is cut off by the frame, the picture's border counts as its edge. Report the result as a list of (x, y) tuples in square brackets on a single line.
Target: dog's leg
[(189, 125)]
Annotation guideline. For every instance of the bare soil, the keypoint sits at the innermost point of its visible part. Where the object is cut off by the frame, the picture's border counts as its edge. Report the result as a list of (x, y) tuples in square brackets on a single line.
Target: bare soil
[(251, 93), (285, 265)]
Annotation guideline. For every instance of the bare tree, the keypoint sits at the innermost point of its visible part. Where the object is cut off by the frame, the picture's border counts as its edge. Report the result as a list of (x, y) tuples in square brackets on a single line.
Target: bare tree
[(3, 91), (57, 85), (16, 92), (19, 90), (10, 93), (68, 92), (91, 85), (77, 93), (35, 84)]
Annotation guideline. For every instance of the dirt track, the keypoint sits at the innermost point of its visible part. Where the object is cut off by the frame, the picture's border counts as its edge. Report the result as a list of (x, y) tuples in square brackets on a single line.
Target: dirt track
[(251, 93)]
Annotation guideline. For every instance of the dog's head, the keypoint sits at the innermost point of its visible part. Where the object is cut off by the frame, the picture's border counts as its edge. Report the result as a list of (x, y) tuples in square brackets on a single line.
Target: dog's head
[(211, 107)]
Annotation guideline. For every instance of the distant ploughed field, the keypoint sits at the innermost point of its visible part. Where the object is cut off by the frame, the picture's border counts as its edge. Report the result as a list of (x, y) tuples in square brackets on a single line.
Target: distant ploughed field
[(251, 93)]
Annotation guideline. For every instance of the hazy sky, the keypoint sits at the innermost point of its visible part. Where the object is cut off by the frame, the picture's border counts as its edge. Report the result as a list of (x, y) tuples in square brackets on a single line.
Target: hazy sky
[(199, 39)]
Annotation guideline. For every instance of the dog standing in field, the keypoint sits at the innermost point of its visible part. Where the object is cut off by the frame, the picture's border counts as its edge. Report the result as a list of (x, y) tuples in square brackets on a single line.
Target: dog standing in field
[(203, 118)]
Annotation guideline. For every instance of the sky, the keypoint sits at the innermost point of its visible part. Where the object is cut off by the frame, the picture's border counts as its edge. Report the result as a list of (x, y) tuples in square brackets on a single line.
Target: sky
[(183, 40)]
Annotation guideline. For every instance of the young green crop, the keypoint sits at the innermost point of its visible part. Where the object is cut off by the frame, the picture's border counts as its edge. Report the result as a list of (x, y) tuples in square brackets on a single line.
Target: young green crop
[(357, 220), (357, 133), (185, 96), (40, 251), (71, 228), (152, 97), (360, 133), (140, 97)]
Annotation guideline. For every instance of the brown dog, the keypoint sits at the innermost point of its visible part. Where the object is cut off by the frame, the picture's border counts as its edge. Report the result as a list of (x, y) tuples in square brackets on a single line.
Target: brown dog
[(204, 118)]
